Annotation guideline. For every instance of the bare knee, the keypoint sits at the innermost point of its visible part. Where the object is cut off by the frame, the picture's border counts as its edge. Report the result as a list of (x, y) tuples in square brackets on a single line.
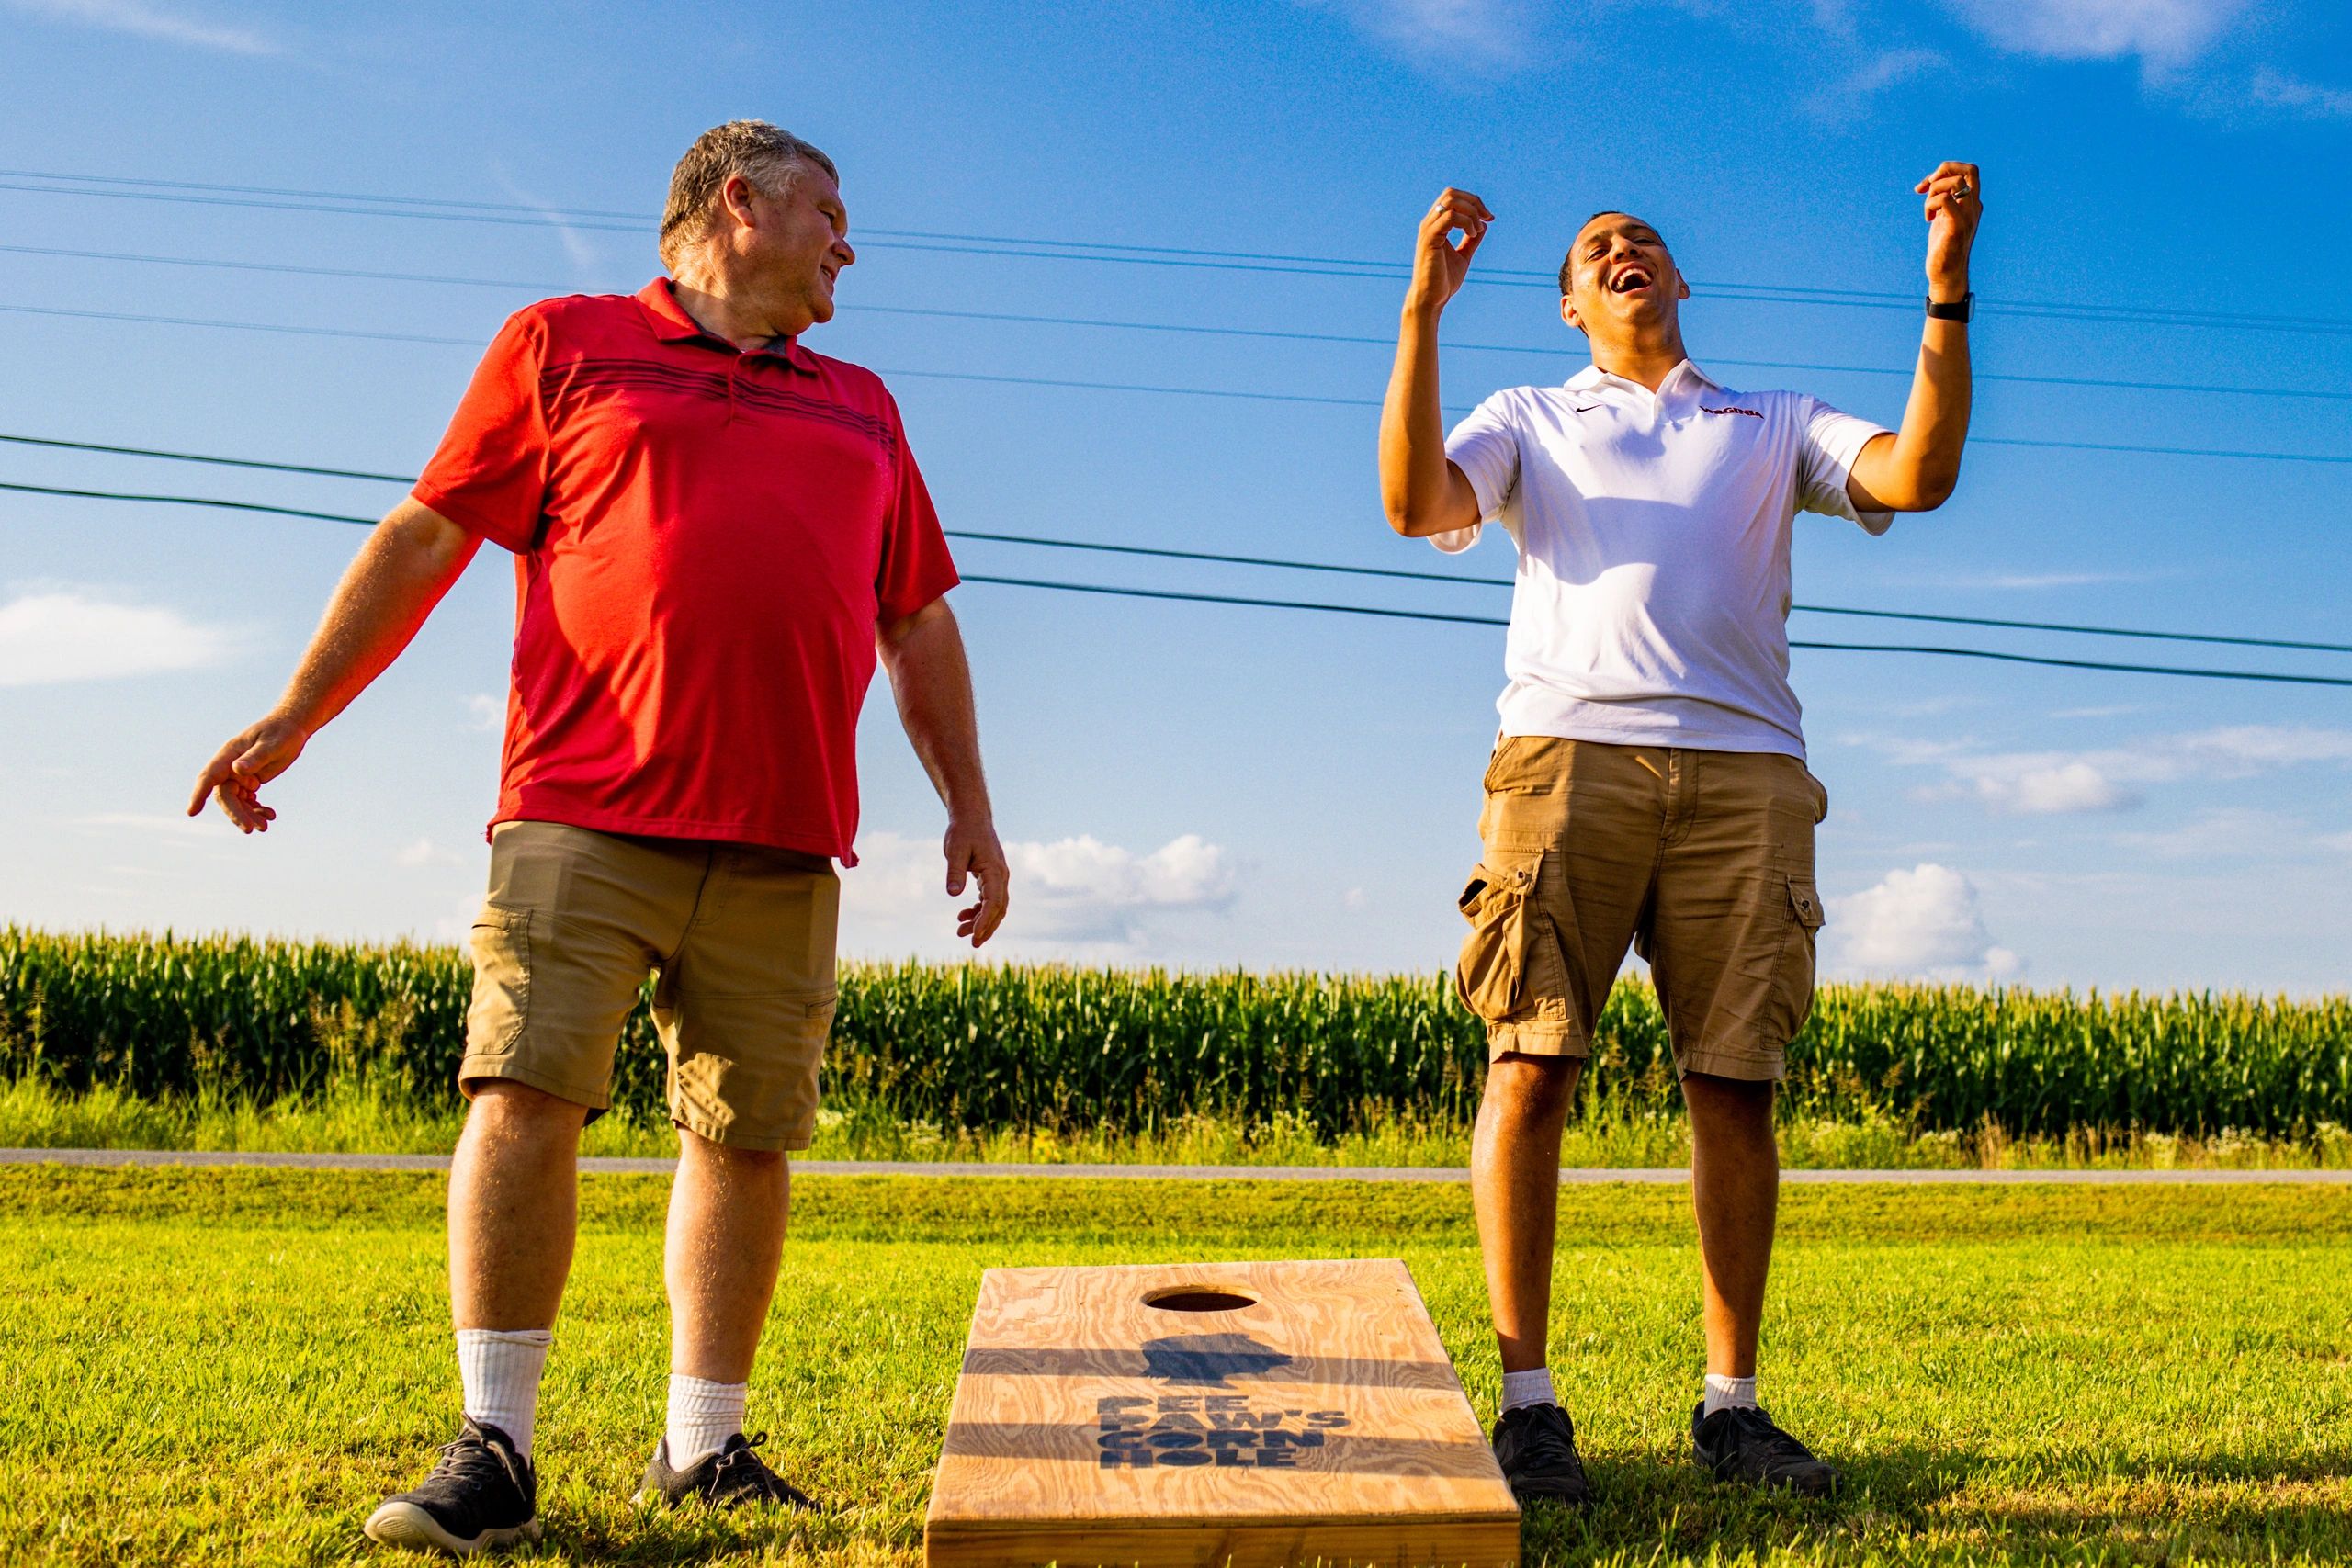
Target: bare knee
[(503, 1105), (1535, 1087), (748, 1164), (1728, 1103)]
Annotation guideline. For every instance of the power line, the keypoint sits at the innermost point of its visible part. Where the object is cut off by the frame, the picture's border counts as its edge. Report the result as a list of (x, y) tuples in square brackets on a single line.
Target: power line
[(1036, 248), (293, 269), (1293, 605), (1162, 553), (1834, 647), (1456, 580), (143, 319), (187, 501), (1306, 399), (1200, 329), (164, 455)]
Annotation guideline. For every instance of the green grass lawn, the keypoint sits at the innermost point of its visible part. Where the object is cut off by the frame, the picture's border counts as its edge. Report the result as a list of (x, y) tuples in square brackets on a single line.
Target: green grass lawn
[(233, 1366), (358, 1117)]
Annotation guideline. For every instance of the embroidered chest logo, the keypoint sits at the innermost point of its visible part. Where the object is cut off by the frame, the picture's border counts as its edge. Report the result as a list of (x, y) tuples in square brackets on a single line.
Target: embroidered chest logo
[(1752, 413)]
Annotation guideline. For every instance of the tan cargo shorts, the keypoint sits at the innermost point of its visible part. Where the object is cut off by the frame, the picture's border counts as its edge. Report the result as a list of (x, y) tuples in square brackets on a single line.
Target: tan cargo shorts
[(739, 939), (1700, 861)]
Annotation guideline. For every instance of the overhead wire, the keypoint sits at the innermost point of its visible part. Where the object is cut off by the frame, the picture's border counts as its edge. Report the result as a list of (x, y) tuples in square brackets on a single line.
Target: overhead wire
[(1063, 248), (1210, 557), (1232, 393), (1202, 329), (1186, 596), (1034, 247)]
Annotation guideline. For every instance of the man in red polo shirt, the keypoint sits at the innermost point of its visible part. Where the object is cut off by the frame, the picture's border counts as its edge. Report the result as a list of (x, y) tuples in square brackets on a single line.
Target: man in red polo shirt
[(716, 534)]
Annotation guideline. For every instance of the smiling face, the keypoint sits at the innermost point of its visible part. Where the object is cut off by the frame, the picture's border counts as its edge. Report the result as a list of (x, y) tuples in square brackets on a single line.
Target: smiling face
[(796, 242), (1620, 279)]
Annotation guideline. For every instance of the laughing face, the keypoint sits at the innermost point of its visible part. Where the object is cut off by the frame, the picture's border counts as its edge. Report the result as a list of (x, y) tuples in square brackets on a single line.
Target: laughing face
[(1620, 276), (800, 239)]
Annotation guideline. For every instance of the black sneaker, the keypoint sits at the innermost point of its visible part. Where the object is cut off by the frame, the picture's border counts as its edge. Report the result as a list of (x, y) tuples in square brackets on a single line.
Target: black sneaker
[(481, 1493), (1536, 1446), (731, 1478), (1744, 1445)]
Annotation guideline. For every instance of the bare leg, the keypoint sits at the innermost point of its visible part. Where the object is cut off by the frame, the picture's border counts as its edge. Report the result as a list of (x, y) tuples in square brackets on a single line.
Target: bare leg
[(1515, 1186), (514, 1204), (1735, 1186), (727, 1218)]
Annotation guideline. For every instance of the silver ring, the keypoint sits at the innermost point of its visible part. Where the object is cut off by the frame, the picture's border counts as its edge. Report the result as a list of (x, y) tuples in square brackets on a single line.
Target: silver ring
[(1959, 190)]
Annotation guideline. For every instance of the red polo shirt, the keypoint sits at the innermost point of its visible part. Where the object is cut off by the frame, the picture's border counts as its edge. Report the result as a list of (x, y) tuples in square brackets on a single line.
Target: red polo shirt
[(705, 542)]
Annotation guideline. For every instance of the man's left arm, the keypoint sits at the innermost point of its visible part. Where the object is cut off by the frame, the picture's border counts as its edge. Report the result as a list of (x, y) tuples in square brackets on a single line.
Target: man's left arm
[(1917, 467), (932, 680)]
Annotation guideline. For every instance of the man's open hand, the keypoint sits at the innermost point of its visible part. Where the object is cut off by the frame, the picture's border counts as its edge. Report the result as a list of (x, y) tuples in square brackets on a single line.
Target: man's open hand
[(1439, 263), (238, 770), (972, 851), (1955, 194)]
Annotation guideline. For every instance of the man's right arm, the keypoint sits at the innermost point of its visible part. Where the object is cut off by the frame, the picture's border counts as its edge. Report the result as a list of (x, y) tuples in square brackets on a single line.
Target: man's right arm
[(1421, 489), (402, 572)]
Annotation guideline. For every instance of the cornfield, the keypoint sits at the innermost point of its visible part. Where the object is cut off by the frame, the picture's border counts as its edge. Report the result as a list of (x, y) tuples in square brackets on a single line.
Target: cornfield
[(974, 1046)]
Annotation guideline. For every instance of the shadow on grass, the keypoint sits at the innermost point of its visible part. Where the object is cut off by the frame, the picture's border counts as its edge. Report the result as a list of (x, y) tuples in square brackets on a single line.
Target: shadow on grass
[(1905, 1505), (1959, 1505)]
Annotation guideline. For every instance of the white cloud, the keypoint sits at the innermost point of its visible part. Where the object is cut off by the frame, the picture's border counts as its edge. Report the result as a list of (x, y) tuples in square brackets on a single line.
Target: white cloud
[(2164, 35), (576, 244), (456, 926), (210, 824), (2277, 90), (2230, 832), (1072, 892), (2015, 582), (140, 19), (1892, 68), (2031, 787), (1918, 923), (1441, 32), (53, 635), (425, 851), (486, 712), (2112, 779)]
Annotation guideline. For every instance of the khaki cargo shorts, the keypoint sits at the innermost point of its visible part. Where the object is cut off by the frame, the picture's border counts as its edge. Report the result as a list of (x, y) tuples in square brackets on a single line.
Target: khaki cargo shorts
[(1700, 861), (739, 938)]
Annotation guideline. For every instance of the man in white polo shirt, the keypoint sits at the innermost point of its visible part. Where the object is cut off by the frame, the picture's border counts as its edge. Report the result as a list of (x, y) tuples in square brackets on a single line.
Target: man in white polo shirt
[(1648, 788)]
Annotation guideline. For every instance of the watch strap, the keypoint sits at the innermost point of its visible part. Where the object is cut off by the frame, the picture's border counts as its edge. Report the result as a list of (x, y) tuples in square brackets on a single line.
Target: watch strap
[(1959, 310)]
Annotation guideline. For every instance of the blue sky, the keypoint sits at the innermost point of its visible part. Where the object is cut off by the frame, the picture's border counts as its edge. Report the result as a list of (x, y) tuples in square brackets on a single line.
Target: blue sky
[(1198, 784)]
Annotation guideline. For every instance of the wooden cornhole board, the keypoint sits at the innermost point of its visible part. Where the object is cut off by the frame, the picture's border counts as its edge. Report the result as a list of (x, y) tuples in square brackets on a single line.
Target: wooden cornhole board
[(1264, 1414)]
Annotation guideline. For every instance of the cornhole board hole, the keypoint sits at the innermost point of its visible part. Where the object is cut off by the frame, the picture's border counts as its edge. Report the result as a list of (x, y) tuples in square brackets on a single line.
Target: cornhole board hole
[(1260, 1415)]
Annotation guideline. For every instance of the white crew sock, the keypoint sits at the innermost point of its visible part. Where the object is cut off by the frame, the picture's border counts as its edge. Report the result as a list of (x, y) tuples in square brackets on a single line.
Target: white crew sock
[(1530, 1387), (500, 1370), (703, 1415), (1728, 1393)]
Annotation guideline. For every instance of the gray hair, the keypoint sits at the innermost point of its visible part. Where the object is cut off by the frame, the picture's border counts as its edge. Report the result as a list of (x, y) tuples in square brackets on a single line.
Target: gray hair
[(768, 157)]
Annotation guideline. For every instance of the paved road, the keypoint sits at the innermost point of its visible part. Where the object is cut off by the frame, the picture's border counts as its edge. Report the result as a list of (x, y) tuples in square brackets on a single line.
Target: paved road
[(1200, 1172)]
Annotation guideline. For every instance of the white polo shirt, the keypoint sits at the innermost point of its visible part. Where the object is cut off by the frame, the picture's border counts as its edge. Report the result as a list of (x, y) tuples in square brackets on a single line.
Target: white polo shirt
[(1652, 600)]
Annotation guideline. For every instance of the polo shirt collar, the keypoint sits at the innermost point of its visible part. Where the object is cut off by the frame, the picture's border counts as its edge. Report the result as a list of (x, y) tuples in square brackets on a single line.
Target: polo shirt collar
[(659, 301), (1685, 373)]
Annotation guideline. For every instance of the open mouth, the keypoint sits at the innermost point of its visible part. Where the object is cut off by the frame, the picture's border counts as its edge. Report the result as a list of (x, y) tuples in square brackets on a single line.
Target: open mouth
[(1630, 281)]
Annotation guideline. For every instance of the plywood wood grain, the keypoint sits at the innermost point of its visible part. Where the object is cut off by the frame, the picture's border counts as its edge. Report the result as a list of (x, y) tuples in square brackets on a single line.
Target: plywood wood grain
[(1311, 1414)]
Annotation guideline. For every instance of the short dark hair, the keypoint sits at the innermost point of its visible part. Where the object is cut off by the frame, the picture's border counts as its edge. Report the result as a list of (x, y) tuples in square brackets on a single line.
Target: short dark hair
[(1568, 263)]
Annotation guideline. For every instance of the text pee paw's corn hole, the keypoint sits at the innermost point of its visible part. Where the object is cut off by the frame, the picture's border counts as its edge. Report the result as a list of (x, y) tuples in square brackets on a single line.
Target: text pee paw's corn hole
[(1256, 1414)]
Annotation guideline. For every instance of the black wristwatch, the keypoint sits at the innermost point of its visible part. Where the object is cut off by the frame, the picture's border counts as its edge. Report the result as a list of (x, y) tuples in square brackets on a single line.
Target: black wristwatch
[(1958, 310)]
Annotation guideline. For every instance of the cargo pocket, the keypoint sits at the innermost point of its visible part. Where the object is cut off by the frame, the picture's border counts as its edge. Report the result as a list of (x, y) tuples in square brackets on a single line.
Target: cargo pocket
[(1499, 904), (1794, 982), (501, 943)]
